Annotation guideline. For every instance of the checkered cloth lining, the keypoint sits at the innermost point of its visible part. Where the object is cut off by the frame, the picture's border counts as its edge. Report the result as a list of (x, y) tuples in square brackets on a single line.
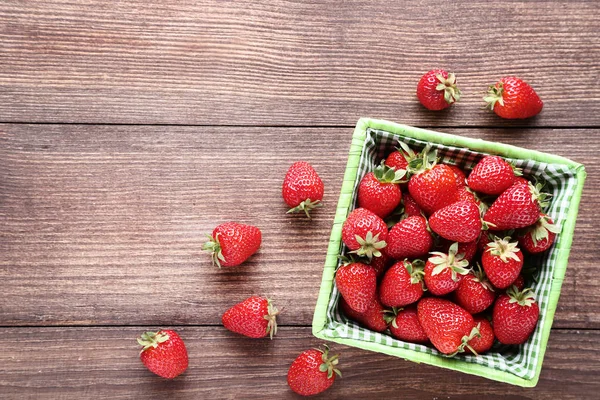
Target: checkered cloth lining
[(560, 181)]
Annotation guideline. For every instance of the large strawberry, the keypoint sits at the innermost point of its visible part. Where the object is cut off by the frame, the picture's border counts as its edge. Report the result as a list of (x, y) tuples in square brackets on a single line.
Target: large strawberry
[(163, 353), (458, 222), (302, 188), (512, 98), (357, 283), (517, 207), (313, 372), (409, 238), (404, 324), (444, 272), (485, 340), (502, 262), (492, 175), (539, 236), (364, 233), (475, 293), (402, 284), (379, 191), (515, 316), (232, 243), (255, 317), (372, 318), (437, 89), (448, 326)]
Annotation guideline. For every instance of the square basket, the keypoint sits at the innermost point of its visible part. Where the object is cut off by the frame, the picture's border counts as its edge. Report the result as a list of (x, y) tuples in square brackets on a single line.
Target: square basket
[(517, 365)]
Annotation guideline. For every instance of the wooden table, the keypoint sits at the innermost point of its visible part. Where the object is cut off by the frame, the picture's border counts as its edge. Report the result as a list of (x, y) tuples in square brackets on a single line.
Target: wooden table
[(130, 129)]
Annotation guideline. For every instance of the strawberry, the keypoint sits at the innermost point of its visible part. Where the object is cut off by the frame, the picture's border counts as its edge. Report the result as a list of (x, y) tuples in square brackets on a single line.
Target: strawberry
[(458, 222), (466, 250), (517, 207), (411, 208), (519, 283), (437, 89), (492, 175), (444, 272), (448, 326), (379, 191), (515, 316), (409, 238), (232, 243), (372, 318), (484, 239), (461, 178), (539, 236), (364, 233), (404, 324), (302, 188), (255, 317), (313, 372), (512, 98), (521, 180), (163, 353), (475, 293), (357, 283), (402, 284), (502, 262), (485, 340), (380, 264)]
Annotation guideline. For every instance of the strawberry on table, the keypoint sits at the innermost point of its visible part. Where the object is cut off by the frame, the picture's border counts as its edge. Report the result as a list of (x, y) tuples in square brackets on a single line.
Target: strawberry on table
[(492, 175), (402, 284), (485, 340), (364, 233), (313, 372), (502, 262), (404, 324), (458, 222), (475, 293), (163, 353), (232, 243), (444, 272), (302, 188), (409, 238), (372, 318), (515, 316), (379, 191), (539, 236), (255, 317), (357, 283), (437, 89), (512, 98), (517, 207)]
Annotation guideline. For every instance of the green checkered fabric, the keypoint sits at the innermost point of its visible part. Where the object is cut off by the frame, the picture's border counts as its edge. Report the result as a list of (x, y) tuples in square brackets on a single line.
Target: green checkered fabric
[(522, 360)]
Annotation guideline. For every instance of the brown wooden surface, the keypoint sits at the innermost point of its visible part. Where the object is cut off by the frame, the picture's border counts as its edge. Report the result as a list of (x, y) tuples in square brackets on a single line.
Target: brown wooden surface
[(130, 129)]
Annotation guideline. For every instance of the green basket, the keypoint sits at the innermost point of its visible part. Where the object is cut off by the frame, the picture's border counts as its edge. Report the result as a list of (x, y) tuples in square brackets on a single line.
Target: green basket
[(517, 365)]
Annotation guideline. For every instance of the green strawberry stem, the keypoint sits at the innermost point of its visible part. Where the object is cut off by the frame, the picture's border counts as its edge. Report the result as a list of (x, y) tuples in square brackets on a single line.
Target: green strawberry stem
[(465, 341), (272, 318), (329, 363), (482, 278), (151, 340), (214, 247), (524, 298), (456, 263), (424, 161), (389, 316), (416, 270), (494, 96), (504, 248), (385, 174), (451, 91), (370, 245), (307, 206), (539, 230)]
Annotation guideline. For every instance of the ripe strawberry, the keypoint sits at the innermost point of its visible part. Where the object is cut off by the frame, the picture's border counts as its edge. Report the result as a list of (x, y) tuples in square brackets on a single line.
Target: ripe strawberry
[(402, 284), (372, 318), (519, 283), (475, 293), (461, 178), (458, 222), (521, 180), (492, 175), (466, 194), (379, 191), (409, 238), (380, 264), (364, 233), (163, 353), (302, 188), (232, 243), (437, 89), (515, 316), (313, 372), (517, 207), (255, 317), (411, 208), (444, 272), (512, 98), (357, 283), (482, 343), (502, 262), (448, 326), (484, 239), (404, 325), (539, 236)]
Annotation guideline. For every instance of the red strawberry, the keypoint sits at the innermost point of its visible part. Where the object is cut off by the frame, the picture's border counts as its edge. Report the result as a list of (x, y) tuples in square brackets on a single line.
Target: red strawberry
[(380, 264), (521, 180), (448, 326), (313, 372), (302, 188), (404, 325), (437, 89), (517, 207), (482, 343), (255, 317), (379, 191), (475, 293), (444, 272), (540, 236), (484, 239), (515, 316), (411, 208), (357, 283), (163, 353), (232, 243), (502, 262), (461, 178), (512, 98), (364, 233), (409, 238), (397, 160), (402, 284), (519, 283), (372, 318), (492, 175), (458, 222)]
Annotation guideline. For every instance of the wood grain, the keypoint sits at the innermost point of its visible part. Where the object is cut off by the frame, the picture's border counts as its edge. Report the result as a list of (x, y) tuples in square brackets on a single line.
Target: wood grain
[(102, 225), (290, 62)]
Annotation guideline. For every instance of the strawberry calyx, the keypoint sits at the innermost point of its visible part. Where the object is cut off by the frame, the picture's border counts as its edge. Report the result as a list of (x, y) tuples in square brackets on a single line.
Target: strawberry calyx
[(370, 245), (448, 86), (389, 316), (466, 339), (494, 96), (424, 161), (455, 262), (516, 170), (524, 298), (539, 230), (151, 340), (416, 270), (408, 153), (214, 247), (307, 206), (385, 174), (271, 316), (329, 363), (481, 278), (537, 195), (504, 248)]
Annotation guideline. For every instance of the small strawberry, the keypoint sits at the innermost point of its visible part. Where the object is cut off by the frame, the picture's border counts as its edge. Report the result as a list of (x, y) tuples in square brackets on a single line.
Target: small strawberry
[(485, 238), (255, 317), (364, 233), (539, 236), (502, 262), (232, 243), (519, 283), (379, 191), (437, 89), (404, 324), (372, 318), (458, 222), (517, 207), (515, 316), (485, 340), (444, 272), (411, 208), (475, 293), (380, 264), (313, 372), (163, 353), (448, 326), (357, 283), (302, 188), (461, 178), (402, 284), (512, 98), (492, 175), (409, 238)]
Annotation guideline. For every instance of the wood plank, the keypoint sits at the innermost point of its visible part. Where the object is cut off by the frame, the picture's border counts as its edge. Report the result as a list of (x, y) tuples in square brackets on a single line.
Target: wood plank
[(289, 63), (104, 224), (77, 363)]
